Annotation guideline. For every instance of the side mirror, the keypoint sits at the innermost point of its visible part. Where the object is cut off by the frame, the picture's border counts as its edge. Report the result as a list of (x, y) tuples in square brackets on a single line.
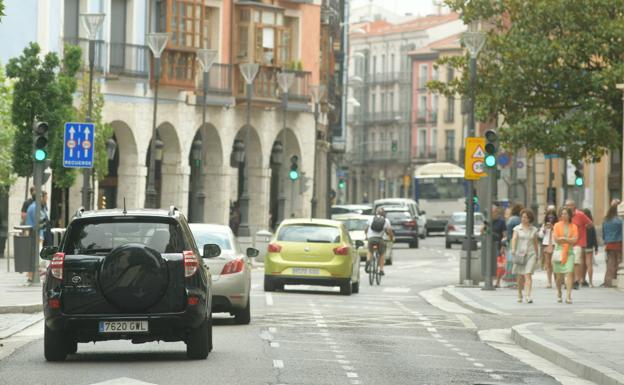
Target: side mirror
[(252, 253), (359, 244), (47, 252), (211, 250)]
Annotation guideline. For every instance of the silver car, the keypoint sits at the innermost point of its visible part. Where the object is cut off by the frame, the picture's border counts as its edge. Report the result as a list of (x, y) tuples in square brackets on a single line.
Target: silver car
[(456, 228), (231, 271)]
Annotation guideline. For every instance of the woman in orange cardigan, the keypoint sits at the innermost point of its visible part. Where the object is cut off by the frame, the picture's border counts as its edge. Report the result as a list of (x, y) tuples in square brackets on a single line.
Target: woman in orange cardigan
[(565, 235)]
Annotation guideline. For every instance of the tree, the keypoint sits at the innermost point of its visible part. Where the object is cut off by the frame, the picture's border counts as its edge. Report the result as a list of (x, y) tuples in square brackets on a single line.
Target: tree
[(549, 69), (1, 9), (43, 89), (7, 132)]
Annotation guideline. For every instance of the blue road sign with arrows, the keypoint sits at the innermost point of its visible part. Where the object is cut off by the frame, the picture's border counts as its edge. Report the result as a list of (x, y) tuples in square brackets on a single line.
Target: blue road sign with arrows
[(78, 145)]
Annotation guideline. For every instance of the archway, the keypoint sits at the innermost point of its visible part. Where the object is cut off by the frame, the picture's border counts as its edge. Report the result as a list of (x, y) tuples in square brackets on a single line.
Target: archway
[(123, 170), (207, 177), (170, 177)]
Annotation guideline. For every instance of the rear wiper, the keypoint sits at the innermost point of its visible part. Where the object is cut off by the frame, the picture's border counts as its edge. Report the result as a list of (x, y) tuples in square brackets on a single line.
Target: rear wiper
[(317, 241)]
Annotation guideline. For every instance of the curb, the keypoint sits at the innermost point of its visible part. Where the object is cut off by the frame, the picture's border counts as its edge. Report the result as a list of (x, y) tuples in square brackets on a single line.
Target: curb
[(567, 359), (28, 322), (32, 308), (451, 294)]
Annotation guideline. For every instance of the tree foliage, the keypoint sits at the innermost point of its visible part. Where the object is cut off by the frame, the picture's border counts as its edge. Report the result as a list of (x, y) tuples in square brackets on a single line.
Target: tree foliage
[(43, 89), (7, 131), (549, 68)]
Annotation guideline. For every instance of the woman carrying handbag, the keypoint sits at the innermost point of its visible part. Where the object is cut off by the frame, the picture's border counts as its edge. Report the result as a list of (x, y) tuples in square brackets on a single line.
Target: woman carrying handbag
[(548, 243), (524, 251), (565, 235)]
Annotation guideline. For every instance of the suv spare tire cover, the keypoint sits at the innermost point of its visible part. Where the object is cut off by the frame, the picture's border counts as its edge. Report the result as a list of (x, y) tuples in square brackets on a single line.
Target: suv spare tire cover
[(133, 277)]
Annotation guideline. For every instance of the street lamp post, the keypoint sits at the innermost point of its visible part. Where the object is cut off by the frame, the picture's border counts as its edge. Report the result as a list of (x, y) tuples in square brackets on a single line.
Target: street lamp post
[(316, 93), (156, 42), (92, 23), (474, 41), (249, 72), (285, 81), (206, 58)]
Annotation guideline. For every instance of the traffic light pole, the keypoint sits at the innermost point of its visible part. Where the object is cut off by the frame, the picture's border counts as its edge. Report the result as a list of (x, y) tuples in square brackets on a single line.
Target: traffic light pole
[(281, 198), (469, 242), (489, 235)]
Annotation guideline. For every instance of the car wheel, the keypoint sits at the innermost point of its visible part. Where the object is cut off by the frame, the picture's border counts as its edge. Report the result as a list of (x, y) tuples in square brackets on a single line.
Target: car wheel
[(72, 347), (388, 261), (345, 288), (268, 284), (243, 317), (199, 341), (413, 244), (54, 345), (355, 287), (448, 244)]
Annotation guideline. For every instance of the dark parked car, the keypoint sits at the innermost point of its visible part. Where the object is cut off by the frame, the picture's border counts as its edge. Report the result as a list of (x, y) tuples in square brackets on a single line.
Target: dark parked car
[(404, 225), (134, 275)]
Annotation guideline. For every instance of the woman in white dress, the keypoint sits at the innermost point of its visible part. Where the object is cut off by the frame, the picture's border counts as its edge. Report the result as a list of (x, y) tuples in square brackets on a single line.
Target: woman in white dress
[(524, 249)]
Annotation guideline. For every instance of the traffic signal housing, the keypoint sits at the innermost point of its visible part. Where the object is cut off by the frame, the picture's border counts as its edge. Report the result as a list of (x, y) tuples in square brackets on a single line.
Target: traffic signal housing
[(294, 168), (395, 146), (578, 178), (342, 184), (40, 141), (490, 148)]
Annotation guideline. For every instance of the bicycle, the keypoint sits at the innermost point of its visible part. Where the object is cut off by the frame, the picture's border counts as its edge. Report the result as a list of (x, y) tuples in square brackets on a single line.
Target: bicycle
[(373, 268)]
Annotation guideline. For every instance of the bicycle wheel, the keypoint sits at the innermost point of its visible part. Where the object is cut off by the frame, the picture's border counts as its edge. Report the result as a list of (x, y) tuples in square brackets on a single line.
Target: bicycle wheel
[(378, 273), (371, 268)]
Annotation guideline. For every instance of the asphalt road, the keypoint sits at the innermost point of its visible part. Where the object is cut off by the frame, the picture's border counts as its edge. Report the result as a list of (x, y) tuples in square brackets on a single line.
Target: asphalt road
[(385, 334)]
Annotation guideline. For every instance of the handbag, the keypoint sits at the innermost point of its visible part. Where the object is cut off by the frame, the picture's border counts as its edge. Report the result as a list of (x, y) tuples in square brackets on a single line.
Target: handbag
[(519, 257), (558, 252)]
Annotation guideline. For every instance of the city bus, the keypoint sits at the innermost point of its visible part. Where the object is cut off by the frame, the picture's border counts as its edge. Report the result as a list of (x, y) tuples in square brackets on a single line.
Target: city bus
[(439, 189)]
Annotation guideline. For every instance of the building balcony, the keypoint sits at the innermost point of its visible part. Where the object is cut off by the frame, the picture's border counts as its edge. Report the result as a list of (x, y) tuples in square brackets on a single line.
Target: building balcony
[(129, 60), (267, 91), (425, 153), (100, 51), (388, 77), (368, 156)]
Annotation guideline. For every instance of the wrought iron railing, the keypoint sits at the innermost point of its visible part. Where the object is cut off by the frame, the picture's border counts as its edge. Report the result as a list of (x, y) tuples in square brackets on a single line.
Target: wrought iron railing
[(129, 59), (100, 51)]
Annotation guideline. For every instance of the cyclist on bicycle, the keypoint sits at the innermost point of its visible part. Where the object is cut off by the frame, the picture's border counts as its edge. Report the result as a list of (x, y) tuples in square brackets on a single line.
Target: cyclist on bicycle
[(376, 227)]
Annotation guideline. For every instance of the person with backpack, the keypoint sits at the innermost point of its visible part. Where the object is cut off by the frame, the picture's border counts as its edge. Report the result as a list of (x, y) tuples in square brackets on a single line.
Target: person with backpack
[(376, 227)]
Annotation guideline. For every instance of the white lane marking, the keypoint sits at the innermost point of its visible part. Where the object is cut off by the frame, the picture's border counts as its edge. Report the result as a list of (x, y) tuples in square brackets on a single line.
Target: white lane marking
[(356, 382), (273, 330), (448, 345), (464, 319), (488, 370), (352, 375), (444, 342), (426, 324), (348, 368), (432, 330), (396, 290), (456, 349), (340, 356), (422, 318), (269, 299), (463, 354), (275, 344), (436, 335), (471, 359), (478, 365), (496, 376), (344, 362), (278, 364)]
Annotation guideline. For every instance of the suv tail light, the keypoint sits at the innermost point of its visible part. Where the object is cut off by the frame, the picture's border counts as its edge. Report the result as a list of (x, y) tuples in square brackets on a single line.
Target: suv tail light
[(234, 266), (57, 265), (191, 263), (274, 248), (409, 224), (342, 250), (450, 228)]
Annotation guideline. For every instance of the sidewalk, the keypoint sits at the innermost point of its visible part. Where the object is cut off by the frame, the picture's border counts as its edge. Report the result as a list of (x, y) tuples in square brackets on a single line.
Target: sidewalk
[(590, 345), (14, 296)]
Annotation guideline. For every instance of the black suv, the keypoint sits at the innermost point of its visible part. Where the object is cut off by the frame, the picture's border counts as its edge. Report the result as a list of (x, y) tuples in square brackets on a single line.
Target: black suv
[(134, 275)]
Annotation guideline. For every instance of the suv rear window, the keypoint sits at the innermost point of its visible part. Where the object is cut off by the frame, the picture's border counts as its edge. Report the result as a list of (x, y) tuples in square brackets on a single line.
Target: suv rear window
[(309, 233), (102, 237), (398, 215)]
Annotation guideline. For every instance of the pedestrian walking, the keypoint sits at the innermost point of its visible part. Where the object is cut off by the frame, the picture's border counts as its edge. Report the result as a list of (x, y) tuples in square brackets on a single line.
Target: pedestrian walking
[(582, 222), (43, 224), (513, 221), (590, 250), (566, 236), (524, 250), (612, 237), (27, 204), (548, 243), (499, 230)]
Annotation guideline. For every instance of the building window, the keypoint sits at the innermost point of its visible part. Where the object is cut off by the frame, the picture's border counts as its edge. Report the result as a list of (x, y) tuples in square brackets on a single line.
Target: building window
[(450, 110), (450, 74), (383, 102), (422, 77), (374, 64), (392, 69), (70, 28), (449, 147), (391, 101), (434, 108), (272, 35), (383, 64), (373, 103), (422, 108), (422, 143), (436, 74)]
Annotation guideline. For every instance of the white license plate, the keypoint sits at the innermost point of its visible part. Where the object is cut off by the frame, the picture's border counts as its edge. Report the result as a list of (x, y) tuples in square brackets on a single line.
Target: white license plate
[(305, 271), (123, 327)]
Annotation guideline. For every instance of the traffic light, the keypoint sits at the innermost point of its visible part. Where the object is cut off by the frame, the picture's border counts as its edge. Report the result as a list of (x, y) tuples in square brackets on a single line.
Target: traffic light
[(490, 148), (342, 184), (40, 139), (294, 168), (395, 146), (578, 178)]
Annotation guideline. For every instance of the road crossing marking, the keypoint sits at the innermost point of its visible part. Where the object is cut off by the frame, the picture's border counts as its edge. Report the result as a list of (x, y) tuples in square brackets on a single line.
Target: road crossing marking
[(278, 364), (269, 299), (275, 344), (396, 290)]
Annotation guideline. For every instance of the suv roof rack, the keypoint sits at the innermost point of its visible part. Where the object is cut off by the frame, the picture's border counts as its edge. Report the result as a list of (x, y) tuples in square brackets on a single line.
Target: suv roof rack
[(79, 212), (173, 211)]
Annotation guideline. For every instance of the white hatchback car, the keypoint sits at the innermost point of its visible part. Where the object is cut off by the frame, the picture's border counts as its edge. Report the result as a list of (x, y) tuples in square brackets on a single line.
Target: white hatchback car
[(231, 271)]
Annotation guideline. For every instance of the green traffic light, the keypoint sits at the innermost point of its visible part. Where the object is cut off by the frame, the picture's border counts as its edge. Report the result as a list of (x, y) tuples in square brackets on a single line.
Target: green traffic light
[(40, 155), (578, 181), (490, 161), (341, 185), (294, 175)]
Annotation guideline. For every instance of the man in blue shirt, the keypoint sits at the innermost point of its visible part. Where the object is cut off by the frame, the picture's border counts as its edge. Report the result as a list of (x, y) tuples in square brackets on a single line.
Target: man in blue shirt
[(30, 221)]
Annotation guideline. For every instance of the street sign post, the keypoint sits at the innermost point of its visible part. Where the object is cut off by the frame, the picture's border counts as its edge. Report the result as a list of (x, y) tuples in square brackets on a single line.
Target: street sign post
[(78, 145), (474, 168)]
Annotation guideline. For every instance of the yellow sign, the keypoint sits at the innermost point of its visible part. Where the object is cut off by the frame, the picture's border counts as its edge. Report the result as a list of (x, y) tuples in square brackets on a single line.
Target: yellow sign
[(406, 180), (474, 167)]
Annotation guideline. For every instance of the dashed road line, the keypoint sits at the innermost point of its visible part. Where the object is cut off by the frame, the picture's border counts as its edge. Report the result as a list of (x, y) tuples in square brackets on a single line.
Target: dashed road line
[(269, 299)]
